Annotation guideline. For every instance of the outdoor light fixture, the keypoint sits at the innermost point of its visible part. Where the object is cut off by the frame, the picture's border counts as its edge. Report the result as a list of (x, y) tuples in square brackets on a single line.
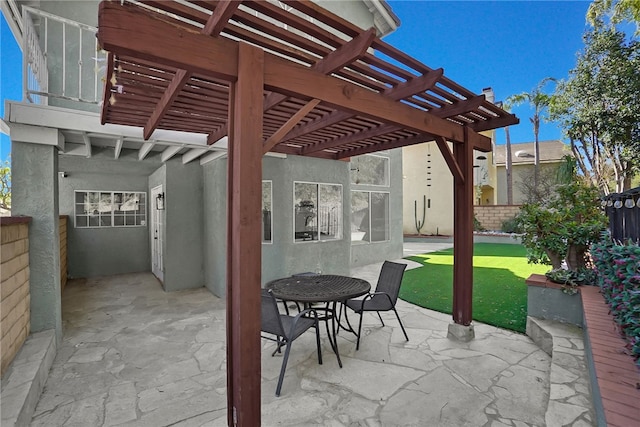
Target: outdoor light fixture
[(629, 203), (160, 201), (617, 204), (609, 203)]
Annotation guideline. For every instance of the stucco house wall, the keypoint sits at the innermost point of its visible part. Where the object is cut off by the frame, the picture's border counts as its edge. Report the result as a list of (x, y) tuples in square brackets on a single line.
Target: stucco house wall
[(103, 251), (427, 182)]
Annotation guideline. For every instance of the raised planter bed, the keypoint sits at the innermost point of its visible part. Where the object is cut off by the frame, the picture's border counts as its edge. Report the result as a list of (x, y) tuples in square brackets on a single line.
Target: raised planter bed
[(615, 379)]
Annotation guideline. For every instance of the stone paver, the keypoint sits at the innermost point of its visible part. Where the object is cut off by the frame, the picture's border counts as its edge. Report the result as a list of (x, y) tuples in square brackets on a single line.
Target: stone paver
[(134, 355)]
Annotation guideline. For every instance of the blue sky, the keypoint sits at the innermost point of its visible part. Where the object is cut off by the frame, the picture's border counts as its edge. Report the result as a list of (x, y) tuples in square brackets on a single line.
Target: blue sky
[(10, 77), (507, 45)]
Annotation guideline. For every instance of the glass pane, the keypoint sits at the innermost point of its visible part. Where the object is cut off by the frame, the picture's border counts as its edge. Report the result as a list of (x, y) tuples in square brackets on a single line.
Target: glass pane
[(129, 202), (92, 203), (94, 221), (330, 212), (129, 220), (80, 196), (266, 211), (379, 217), (305, 199), (81, 221), (105, 203), (118, 221), (370, 170), (105, 221), (359, 216)]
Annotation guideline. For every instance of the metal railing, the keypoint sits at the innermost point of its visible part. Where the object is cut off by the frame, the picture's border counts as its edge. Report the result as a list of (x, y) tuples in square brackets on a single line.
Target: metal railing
[(61, 59)]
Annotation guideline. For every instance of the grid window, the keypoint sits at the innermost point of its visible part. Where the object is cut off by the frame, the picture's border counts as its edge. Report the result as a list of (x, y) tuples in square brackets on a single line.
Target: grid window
[(98, 209), (317, 211), (369, 216)]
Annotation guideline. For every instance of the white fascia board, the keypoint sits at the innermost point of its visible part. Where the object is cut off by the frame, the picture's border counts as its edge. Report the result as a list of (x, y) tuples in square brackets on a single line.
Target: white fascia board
[(37, 135), (118, 148), (85, 121), (386, 23), (4, 128), (193, 154), (212, 156), (87, 143), (170, 151), (144, 150), (11, 10)]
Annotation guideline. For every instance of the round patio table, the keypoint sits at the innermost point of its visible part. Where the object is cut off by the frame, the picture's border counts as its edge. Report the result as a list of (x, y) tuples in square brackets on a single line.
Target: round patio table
[(316, 288)]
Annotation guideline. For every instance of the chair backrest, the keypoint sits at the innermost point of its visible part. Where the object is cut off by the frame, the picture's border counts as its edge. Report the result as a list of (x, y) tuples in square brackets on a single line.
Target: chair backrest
[(390, 279), (270, 315)]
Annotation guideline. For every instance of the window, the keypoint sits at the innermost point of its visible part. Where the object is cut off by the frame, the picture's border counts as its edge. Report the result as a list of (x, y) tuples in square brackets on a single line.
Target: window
[(369, 216), (317, 211), (96, 209), (266, 211), (370, 170)]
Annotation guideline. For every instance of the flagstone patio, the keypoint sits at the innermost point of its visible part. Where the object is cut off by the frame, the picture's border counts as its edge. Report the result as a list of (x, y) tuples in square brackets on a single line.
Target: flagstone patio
[(135, 355)]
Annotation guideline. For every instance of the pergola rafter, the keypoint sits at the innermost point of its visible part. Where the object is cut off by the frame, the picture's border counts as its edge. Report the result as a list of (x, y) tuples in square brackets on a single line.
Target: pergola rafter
[(300, 81)]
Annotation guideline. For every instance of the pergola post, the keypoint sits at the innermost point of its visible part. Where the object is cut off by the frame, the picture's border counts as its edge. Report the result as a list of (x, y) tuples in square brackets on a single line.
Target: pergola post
[(244, 249), (462, 329)]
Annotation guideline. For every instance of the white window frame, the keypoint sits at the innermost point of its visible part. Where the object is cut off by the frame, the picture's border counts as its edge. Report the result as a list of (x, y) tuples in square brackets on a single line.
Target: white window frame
[(317, 203), (139, 215)]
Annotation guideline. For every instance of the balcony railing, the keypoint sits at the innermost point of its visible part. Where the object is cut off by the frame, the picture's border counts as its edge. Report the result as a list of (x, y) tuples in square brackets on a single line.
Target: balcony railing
[(61, 60)]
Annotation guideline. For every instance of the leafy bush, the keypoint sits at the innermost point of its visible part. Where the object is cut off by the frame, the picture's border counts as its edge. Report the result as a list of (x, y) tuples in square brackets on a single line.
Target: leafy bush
[(563, 227), (477, 226), (618, 273), (511, 225), (571, 279)]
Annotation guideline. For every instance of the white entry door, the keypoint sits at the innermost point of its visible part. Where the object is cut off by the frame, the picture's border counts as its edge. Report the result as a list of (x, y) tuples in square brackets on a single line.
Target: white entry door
[(157, 227)]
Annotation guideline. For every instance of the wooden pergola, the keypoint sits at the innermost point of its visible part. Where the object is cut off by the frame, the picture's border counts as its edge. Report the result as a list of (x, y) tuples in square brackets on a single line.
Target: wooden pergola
[(300, 81)]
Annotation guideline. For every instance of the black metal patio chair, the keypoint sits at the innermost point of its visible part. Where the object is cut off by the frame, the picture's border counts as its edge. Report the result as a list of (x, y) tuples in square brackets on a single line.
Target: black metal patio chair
[(383, 299), (286, 329)]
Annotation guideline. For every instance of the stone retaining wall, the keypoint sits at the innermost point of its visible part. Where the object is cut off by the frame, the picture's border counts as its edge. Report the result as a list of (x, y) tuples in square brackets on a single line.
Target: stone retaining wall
[(491, 217), (14, 289)]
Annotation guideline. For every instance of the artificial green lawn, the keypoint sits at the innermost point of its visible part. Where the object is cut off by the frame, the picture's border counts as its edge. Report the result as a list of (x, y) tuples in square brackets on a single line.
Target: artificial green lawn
[(499, 291)]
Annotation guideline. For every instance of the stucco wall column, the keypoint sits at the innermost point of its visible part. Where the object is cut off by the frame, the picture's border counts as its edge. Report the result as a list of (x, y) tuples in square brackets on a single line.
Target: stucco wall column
[(34, 183)]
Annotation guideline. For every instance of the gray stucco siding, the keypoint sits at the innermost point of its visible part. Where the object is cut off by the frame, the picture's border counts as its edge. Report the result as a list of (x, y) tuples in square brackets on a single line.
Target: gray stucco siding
[(102, 251)]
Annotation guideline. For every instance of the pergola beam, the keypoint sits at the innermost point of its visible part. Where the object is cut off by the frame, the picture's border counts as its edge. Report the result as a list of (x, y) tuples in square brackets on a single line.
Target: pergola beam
[(215, 24), (355, 137), (119, 33), (335, 60), (403, 90), (277, 136), (460, 107)]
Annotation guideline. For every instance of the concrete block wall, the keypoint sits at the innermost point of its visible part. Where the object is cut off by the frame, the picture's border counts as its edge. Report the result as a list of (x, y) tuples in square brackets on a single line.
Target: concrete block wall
[(14, 287), (492, 216)]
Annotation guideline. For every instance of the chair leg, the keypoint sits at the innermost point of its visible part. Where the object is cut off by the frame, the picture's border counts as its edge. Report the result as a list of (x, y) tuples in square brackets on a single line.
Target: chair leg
[(380, 317), (283, 368), (359, 331), (318, 343), (401, 325)]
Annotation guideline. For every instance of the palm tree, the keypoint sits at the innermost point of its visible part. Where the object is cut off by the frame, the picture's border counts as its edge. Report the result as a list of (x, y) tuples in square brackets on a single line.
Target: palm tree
[(506, 106), (539, 101)]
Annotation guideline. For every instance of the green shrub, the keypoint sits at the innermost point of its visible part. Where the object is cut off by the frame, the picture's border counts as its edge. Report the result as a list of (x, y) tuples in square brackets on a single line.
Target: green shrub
[(511, 225), (618, 273), (477, 226)]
